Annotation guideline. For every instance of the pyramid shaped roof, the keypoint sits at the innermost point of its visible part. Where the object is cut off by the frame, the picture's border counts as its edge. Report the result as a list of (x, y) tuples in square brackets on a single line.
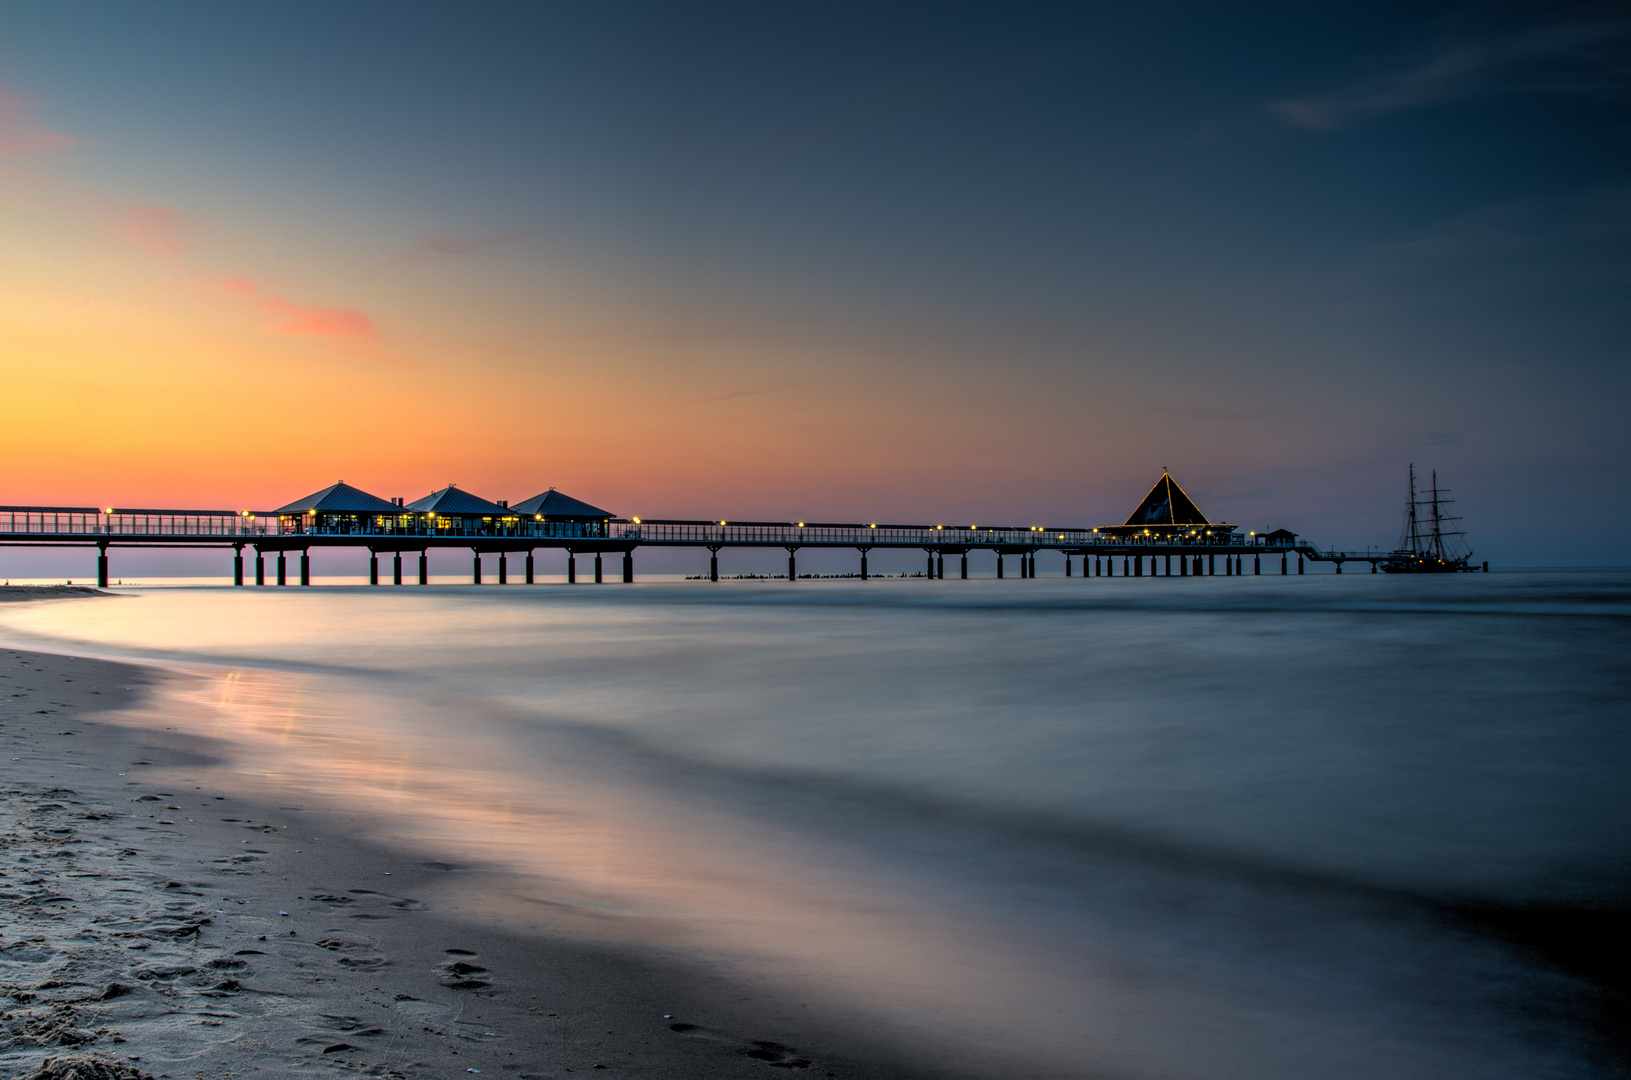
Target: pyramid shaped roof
[(1166, 504), (340, 498), (450, 500), (552, 504)]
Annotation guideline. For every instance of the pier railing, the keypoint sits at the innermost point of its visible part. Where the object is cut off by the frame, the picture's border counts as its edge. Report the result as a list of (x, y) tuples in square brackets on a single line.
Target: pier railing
[(90, 522)]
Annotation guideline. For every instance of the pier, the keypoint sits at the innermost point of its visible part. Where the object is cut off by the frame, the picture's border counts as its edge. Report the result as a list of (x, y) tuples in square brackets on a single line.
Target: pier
[(1166, 537)]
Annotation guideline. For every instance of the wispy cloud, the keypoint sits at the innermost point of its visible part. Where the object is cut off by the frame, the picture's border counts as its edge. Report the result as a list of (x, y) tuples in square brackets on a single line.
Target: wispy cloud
[(158, 229), (1602, 214), (302, 320), (20, 137), (26, 148), (1580, 57)]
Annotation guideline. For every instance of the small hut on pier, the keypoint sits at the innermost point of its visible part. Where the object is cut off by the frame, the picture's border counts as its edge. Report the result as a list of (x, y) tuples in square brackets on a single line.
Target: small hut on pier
[(339, 509), (555, 514), (451, 512)]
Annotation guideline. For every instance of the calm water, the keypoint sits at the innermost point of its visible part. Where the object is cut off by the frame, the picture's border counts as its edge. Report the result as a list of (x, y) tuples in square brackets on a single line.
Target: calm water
[(1190, 828)]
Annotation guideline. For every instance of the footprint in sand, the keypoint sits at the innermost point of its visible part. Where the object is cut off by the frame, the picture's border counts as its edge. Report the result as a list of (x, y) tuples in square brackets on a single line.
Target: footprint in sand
[(774, 1054), (461, 974)]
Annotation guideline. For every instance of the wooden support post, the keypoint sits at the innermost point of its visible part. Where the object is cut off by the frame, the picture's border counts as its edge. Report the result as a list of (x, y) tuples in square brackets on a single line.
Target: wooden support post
[(237, 564), (1299, 562), (1373, 568), (599, 580), (1257, 565), (929, 573), (1228, 565), (475, 567), (396, 567), (504, 568), (1211, 564), (628, 567), (282, 576), (305, 567), (1169, 565), (373, 567), (999, 564), (424, 567), (260, 567), (102, 567), (1067, 564), (1339, 566), (940, 566), (965, 566), (529, 567), (572, 567), (713, 563), (792, 565), (1282, 564), (863, 563)]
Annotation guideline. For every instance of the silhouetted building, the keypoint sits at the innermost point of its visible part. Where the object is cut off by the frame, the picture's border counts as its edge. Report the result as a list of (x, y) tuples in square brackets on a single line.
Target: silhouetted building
[(1167, 515)]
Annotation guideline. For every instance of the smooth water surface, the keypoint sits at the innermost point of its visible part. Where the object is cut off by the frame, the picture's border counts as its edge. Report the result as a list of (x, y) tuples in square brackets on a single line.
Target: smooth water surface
[(1190, 827)]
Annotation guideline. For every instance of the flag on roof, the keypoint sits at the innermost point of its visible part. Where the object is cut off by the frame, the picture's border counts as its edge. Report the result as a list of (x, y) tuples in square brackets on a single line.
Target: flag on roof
[(1166, 504), (451, 501), (552, 504), (340, 498)]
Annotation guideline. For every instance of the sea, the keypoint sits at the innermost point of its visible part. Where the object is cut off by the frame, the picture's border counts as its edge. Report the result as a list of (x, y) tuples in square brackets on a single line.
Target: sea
[(1223, 827)]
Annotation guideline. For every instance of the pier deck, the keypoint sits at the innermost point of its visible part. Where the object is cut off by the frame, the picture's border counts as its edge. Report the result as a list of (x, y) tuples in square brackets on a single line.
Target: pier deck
[(266, 533)]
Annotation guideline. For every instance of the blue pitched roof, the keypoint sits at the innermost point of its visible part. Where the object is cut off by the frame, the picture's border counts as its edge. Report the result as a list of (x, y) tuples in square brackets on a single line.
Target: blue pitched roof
[(552, 504), (340, 498), (450, 500)]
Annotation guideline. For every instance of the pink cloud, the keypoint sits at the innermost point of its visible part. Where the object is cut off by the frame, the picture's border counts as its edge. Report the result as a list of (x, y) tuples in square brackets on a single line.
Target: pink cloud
[(303, 320), (20, 137), (155, 228)]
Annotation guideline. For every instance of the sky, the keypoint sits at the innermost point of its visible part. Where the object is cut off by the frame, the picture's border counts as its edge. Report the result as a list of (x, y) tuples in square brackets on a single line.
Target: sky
[(914, 263)]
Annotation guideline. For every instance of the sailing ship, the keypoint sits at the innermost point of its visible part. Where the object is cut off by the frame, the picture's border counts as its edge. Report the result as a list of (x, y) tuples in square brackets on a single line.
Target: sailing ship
[(1431, 542)]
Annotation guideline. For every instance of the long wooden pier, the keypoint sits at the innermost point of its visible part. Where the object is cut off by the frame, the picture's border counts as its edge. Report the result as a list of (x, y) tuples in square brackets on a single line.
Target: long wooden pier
[(279, 536)]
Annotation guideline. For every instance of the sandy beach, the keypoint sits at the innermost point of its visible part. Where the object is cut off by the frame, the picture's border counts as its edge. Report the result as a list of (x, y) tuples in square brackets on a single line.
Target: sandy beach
[(181, 931)]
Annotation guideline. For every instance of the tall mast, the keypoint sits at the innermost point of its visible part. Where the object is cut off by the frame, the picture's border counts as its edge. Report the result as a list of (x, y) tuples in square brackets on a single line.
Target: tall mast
[(1410, 514), (1438, 533)]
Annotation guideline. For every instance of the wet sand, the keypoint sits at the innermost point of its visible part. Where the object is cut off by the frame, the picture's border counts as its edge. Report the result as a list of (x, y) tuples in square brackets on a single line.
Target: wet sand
[(191, 932)]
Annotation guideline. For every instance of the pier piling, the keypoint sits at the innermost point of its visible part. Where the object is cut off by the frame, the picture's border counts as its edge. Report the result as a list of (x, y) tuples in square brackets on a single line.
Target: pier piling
[(373, 567), (572, 567), (396, 567), (238, 564), (529, 568), (282, 574), (260, 567), (305, 567), (628, 567), (713, 564), (965, 566), (598, 579), (503, 568), (475, 571), (424, 567)]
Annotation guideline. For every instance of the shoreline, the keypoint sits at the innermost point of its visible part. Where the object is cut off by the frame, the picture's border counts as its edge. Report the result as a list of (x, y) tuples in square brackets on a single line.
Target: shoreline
[(190, 932)]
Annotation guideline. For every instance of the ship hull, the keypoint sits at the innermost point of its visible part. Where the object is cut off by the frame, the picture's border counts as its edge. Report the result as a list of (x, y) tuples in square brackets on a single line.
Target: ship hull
[(1405, 562)]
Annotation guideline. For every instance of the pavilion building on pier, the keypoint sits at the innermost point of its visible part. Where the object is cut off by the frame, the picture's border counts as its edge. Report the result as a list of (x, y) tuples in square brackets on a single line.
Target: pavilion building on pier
[(452, 512), (1168, 516), (555, 514), (341, 510)]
